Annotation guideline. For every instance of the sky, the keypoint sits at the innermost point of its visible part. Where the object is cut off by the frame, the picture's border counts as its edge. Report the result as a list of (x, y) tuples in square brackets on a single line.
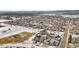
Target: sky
[(36, 5)]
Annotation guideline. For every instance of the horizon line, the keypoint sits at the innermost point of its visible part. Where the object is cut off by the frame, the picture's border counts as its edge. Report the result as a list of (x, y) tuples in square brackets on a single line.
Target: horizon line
[(39, 10)]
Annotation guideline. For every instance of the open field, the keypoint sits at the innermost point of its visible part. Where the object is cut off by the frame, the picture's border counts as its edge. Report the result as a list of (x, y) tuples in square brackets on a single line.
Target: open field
[(16, 38)]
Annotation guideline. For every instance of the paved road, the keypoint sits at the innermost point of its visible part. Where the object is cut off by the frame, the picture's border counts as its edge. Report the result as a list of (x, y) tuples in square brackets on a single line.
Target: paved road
[(65, 38)]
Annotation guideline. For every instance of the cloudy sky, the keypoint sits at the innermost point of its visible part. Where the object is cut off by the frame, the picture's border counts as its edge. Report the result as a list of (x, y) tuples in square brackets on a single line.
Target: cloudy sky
[(28, 5)]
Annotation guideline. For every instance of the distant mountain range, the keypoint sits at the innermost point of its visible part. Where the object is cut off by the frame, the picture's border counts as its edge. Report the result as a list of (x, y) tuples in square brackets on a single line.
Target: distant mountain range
[(63, 12)]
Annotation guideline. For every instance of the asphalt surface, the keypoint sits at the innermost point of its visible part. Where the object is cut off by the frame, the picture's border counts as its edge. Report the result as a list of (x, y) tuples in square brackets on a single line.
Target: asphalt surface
[(65, 38)]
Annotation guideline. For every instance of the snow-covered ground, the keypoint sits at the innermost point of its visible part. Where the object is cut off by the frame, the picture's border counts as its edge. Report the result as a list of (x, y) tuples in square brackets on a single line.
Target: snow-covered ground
[(16, 30), (71, 16), (75, 35), (10, 30), (4, 20)]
